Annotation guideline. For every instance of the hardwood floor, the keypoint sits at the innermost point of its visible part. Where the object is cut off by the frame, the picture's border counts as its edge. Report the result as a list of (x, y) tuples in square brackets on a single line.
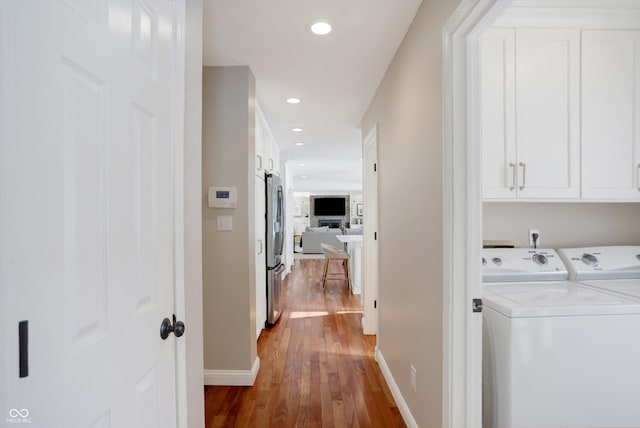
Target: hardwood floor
[(317, 369)]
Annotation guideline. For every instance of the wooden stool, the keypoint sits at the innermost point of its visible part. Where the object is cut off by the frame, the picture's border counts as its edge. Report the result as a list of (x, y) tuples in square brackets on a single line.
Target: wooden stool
[(332, 253)]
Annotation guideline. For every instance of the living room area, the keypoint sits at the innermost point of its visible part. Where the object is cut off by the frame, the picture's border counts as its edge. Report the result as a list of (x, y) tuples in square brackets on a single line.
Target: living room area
[(320, 218)]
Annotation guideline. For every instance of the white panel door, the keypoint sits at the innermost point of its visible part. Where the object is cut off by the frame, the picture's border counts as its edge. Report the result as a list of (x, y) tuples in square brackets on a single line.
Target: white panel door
[(86, 211), (547, 113), (498, 114), (611, 114)]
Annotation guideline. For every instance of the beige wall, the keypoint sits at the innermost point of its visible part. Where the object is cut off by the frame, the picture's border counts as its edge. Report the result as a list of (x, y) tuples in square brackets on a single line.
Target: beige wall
[(228, 262), (563, 224), (408, 110)]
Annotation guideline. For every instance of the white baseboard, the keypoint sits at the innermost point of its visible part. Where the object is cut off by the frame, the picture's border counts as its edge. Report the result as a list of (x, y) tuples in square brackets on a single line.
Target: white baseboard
[(395, 391), (232, 377)]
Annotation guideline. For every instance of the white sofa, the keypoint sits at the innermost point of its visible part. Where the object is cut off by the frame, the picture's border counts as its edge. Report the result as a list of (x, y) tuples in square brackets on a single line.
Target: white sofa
[(314, 236)]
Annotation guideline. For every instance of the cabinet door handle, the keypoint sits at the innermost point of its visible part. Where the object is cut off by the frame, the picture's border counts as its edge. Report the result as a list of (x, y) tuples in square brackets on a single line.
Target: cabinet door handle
[(259, 246), (259, 162), (524, 175), (513, 177), (271, 164)]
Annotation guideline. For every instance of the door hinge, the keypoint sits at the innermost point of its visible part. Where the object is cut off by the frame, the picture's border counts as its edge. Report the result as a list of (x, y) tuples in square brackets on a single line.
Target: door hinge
[(375, 167), (375, 236), (375, 304), (477, 305)]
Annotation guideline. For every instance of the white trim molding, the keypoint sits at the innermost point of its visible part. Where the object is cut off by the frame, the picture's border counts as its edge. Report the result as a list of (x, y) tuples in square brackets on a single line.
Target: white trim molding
[(395, 391), (232, 377), (462, 213)]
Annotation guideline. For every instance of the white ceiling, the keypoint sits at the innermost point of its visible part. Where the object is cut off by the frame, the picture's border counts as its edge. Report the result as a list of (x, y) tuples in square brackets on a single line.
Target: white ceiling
[(335, 76)]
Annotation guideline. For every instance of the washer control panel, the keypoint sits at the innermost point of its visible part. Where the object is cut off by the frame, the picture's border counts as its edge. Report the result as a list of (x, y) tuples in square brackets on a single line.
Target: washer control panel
[(615, 262), (521, 264)]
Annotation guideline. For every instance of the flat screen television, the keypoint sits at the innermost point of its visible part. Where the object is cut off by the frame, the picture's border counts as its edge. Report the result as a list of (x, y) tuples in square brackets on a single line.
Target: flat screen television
[(329, 206)]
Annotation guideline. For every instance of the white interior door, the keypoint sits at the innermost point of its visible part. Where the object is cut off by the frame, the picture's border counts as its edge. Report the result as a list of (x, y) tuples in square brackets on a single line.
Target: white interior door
[(86, 211), (370, 234)]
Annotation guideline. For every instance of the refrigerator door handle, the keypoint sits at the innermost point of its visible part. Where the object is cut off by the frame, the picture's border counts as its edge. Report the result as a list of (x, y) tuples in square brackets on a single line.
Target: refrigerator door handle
[(280, 202)]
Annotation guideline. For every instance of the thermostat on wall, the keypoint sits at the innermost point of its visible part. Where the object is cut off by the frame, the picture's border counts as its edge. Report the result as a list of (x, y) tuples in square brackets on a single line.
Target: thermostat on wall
[(223, 197)]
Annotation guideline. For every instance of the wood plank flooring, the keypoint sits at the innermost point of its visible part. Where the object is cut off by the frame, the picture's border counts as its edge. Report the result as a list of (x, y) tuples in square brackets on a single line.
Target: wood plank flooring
[(317, 369)]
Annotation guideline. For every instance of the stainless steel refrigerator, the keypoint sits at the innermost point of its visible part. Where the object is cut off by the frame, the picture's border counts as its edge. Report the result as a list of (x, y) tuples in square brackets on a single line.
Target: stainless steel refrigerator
[(274, 245)]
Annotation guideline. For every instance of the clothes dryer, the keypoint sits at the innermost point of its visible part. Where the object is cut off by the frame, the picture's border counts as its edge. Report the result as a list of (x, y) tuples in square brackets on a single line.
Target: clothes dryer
[(612, 268), (555, 353)]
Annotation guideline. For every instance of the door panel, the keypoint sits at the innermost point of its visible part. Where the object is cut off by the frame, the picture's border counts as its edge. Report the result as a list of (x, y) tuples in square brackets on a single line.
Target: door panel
[(87, 188), (85, 308)]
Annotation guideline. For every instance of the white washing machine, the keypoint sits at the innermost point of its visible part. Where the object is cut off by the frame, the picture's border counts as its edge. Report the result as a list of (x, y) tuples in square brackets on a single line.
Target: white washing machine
[(555, 353)]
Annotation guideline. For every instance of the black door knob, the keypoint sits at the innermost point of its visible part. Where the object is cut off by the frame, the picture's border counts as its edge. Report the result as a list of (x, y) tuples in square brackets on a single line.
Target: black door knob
[(177, 328)]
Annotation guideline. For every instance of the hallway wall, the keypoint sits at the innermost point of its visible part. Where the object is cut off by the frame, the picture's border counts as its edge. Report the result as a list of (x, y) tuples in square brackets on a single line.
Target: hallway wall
[(229, 290), (408, 110)]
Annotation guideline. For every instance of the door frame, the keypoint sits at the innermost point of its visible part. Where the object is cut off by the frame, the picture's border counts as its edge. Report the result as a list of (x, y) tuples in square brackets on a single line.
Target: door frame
[(189, 364), (462, 211), (179, 142)]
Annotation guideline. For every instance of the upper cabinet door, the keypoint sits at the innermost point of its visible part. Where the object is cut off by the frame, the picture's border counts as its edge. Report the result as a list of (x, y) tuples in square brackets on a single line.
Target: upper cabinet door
[(611, 115), (259, 146), (547, 64), (498, 114)]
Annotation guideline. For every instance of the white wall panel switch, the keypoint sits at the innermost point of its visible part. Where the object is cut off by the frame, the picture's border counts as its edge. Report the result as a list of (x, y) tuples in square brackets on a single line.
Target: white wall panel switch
[(225, 222)]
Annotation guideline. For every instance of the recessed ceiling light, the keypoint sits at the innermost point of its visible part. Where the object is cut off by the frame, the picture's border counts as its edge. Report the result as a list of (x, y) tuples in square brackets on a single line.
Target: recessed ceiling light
[(303, 176), (298, 143), (296, 129), (321, 28), (301, 164), (293, 100)]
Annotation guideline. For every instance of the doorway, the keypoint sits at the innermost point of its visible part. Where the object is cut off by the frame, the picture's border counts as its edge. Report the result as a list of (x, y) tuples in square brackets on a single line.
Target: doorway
[(462, 347)]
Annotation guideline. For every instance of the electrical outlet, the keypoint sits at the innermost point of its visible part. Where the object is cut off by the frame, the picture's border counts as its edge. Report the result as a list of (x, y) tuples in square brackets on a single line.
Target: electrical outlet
[(531, 243), (413, 378)]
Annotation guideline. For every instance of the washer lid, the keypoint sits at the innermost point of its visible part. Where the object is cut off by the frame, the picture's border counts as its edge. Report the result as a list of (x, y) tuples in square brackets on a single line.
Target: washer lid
[(555, 298), (617, 262), (521, 264)]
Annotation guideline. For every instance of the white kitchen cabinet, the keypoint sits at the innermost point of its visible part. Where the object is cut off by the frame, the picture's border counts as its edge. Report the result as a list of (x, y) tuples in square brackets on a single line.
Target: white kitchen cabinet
[(262, 144), (271, 154), (267, 149), (530, 114), (611, 115), (273, 162), (259, 146), (260, 260)]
